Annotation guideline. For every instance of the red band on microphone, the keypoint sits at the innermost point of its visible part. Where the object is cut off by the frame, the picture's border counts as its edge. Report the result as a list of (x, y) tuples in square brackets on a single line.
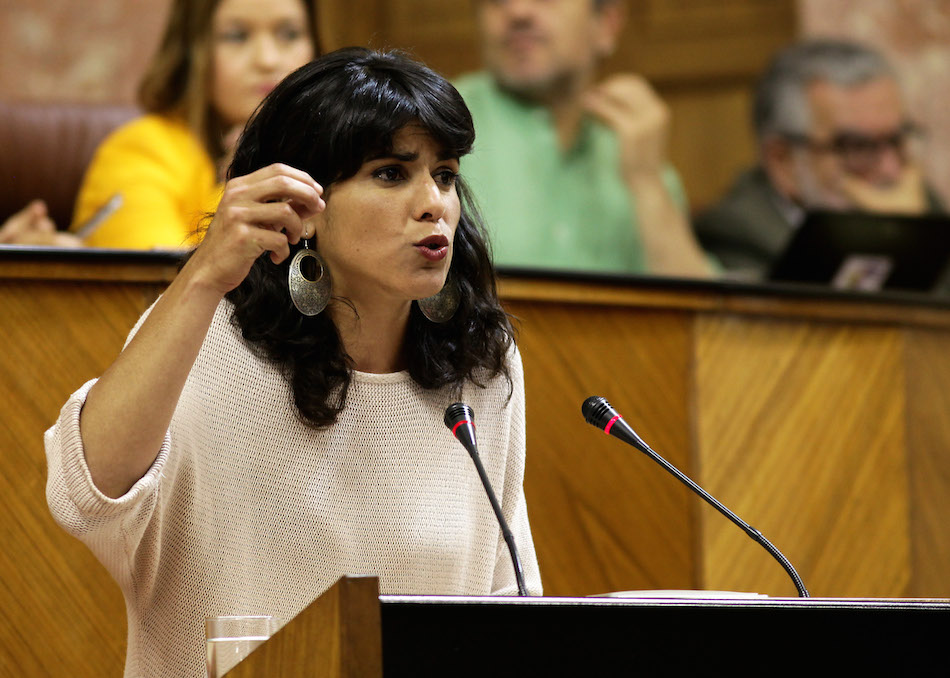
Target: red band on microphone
[(464, 421), (611, 423)]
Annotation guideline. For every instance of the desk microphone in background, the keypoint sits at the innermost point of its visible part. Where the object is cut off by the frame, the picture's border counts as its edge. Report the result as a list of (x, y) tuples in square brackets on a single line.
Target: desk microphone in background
[(101, 214), (598, 412), (460, 419)]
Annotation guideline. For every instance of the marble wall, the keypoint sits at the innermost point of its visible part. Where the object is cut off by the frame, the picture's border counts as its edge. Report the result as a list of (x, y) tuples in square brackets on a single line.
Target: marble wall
[(79, 51), (915, 35)]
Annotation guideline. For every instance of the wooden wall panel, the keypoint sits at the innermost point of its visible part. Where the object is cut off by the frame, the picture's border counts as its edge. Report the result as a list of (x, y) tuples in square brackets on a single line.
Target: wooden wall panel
[(801, 434), (711, 139), (63, 613), (604, 517), (695, 40), (928, 441), (702, 56)]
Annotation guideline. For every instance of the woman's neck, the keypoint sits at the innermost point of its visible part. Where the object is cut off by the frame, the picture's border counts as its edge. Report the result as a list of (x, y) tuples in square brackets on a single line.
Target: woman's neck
[(373, 337)]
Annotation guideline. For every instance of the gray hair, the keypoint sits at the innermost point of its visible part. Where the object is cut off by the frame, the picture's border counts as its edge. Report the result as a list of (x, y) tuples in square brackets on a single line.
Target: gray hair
[(781, 102)]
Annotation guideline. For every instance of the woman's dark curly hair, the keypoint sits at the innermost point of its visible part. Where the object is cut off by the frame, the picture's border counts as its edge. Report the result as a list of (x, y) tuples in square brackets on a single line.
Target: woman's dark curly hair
[(327, 118)]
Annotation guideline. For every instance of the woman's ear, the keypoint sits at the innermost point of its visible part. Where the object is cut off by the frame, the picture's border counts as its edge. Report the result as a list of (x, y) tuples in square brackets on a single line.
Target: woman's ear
[(316, 224)]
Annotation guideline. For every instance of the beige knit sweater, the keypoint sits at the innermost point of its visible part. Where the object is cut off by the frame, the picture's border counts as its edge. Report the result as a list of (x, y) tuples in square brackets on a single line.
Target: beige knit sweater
[(247, 511)]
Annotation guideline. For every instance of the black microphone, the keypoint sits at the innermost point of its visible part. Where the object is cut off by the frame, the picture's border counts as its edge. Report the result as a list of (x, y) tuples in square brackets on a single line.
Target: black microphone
[(598, 412), (460, 419)]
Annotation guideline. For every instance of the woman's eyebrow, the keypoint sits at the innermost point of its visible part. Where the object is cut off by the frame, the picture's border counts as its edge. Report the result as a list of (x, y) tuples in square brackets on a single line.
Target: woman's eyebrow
[(410, 156), (394, 155)]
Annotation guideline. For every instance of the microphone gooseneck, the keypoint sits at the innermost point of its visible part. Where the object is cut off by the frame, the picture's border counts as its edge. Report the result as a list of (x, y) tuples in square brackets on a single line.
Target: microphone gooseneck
[(598, 412), (460, 420)]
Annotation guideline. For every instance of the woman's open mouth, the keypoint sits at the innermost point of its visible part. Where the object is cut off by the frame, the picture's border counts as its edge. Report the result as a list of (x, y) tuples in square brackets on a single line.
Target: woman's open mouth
[(433, 248)]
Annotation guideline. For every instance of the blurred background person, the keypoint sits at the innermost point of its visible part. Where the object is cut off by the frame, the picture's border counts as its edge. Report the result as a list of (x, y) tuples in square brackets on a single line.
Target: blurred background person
[(216, 62), (32, 226), (833, 134), (576, 172)]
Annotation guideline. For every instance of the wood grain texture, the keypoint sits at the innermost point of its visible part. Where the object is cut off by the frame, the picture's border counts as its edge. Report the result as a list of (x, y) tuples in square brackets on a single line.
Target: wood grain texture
[(604, 517), (829, 435), (927, 357), (674, 41), (339, 635), (707, 161), (800, 432), (61, 608)]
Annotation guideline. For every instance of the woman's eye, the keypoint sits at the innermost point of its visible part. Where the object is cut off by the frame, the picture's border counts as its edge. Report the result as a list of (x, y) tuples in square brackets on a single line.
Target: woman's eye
[(388, 173), (234, 36), (290, 33), (446, 177)]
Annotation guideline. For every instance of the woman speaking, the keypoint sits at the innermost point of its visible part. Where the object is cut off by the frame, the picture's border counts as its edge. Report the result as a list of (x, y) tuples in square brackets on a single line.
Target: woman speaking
[(275, 420)]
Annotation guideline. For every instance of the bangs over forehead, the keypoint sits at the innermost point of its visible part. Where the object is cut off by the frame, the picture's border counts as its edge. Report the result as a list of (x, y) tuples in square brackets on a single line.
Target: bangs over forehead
[(380, 105), (335, 113)]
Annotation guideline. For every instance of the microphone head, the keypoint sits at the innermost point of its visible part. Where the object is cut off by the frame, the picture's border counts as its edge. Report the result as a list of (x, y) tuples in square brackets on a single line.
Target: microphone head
[(597, 411), (460, 420), (457, 412)]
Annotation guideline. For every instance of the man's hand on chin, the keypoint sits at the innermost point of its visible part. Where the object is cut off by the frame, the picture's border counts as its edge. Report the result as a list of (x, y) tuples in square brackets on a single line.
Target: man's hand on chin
[(906, 196)]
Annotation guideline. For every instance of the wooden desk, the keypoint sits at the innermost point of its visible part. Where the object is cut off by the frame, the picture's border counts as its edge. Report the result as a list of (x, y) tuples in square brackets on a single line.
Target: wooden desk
[(823, 420), (352, 631)]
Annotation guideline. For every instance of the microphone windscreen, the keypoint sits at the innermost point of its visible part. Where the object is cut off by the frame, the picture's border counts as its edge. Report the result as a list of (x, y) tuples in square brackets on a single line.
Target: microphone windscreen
[(457, 412), (597, 411)]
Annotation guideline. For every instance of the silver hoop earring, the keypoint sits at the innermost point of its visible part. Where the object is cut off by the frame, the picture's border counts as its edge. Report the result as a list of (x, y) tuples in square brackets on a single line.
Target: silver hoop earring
[(442, 305), (309, 296)]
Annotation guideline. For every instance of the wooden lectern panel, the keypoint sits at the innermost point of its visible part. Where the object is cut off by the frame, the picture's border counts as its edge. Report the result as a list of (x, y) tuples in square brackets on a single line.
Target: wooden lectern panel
[(801, 434), (513, 636), (337, 636), (64, 615), (822, 420), (928, 447), (604, 517)]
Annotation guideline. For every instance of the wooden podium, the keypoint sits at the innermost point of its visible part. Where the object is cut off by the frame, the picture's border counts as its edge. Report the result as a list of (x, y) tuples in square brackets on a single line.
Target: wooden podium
[(822, 419), (351, 631)]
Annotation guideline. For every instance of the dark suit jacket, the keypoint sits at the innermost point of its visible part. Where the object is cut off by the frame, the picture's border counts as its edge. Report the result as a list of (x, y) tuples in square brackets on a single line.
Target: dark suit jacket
[(747, 230)]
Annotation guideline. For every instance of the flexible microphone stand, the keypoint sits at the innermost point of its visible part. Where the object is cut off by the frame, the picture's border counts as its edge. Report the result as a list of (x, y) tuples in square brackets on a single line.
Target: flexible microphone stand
[(460, 419), (598, 412)]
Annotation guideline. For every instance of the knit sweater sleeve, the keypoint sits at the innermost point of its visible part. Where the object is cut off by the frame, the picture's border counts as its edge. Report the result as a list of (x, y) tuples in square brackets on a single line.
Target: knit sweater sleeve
[(112, 528), (513, 502)]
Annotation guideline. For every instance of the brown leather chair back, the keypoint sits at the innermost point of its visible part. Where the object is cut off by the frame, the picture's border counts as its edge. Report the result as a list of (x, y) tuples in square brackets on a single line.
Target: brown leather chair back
[(44, 151)]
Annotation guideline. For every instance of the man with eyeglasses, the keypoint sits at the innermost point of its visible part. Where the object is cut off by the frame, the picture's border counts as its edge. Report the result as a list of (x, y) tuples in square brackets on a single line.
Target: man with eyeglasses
[(832, 134)]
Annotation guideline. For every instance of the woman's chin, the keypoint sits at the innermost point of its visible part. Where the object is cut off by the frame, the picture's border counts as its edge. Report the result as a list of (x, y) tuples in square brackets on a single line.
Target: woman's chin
[(430, 287), (429, 294)]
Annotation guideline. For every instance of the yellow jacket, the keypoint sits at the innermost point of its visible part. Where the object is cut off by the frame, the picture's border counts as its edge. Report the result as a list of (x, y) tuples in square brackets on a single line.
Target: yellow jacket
[(165, 177)]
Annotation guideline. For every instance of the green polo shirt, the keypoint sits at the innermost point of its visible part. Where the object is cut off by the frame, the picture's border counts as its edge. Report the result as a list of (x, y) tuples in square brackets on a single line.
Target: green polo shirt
[(546, 208)]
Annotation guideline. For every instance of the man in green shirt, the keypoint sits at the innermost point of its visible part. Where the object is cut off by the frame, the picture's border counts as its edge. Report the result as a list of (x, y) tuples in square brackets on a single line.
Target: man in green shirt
[(569, 174)]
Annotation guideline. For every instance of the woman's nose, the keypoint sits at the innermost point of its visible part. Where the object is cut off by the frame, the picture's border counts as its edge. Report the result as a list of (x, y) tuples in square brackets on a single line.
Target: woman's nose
[(431, 205), (266, 51)]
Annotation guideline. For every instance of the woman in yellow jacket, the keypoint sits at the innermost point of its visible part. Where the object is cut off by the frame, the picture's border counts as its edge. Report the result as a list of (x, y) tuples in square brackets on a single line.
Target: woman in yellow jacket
[(217, 61)]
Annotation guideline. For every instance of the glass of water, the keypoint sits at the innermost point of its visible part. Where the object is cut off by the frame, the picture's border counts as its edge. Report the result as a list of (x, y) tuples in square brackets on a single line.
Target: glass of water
[(230, 639)]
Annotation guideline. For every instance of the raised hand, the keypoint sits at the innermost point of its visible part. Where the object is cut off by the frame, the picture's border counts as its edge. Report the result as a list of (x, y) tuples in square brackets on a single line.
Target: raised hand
[(127, 412), (627, 104), (905, 196), (261, 212)]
